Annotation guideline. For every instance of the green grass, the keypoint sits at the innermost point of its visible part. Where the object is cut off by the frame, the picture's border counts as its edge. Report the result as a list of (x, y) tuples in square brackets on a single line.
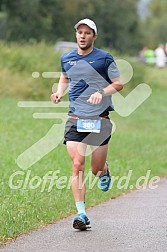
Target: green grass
[(19, 61), (138, 144)]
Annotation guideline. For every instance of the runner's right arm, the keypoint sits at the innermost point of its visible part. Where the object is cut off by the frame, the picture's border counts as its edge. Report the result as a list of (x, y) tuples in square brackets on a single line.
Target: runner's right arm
[(62, 86)]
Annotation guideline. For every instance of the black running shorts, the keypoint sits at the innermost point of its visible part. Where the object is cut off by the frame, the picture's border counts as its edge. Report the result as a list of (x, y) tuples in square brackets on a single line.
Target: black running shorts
[(90, 138)]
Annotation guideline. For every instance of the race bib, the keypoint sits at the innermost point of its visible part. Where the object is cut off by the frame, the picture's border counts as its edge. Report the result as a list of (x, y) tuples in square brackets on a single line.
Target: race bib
[(88, 125)]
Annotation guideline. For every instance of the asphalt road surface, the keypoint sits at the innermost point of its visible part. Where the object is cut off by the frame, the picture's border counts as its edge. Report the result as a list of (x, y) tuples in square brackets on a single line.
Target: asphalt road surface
[(133, 222)]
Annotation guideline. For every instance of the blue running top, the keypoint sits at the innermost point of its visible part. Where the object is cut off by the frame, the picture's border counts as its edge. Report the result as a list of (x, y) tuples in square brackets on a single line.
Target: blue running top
[(87, 74)]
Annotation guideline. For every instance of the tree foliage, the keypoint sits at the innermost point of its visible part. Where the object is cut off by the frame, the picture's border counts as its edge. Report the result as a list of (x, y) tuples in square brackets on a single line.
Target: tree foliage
[(154, 27), (119, 26)]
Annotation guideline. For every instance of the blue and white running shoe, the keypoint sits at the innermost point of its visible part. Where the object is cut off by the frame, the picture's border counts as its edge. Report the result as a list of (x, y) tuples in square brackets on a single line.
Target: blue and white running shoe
[(105, 180), (81, 222)]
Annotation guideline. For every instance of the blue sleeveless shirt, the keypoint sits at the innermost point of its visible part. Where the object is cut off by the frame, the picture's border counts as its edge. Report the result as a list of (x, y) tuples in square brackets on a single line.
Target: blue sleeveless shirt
[(86, 75)]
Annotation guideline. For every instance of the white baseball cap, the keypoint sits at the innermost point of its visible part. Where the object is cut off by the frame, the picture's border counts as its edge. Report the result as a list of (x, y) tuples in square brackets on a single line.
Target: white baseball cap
[(87, 22)]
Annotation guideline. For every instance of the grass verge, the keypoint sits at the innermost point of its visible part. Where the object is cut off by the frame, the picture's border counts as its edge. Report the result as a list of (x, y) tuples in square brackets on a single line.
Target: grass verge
[(138, 145)]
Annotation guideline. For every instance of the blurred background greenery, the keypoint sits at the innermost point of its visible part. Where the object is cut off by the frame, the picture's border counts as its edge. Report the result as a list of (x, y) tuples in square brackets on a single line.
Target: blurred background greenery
[(126, 25), (28, 32)]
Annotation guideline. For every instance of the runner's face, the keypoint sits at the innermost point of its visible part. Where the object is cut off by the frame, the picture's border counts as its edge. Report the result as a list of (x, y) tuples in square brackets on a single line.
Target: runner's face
[(85, 37)]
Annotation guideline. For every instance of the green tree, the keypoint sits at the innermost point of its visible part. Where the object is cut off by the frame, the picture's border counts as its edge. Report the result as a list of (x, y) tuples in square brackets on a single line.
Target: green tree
[(51, 20), (154, 27), (119, 24), (26, 20)]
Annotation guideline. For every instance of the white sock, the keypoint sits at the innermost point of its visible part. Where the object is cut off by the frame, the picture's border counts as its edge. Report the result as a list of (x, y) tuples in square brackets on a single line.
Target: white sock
[(80, 205)]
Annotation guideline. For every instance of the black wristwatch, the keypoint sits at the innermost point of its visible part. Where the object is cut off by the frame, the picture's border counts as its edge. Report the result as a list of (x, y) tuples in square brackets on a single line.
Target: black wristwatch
[(101, 91)]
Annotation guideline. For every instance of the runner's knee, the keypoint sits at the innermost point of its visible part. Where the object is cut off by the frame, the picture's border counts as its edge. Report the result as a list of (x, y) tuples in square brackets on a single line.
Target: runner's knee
[(77, 167), (96, 169)]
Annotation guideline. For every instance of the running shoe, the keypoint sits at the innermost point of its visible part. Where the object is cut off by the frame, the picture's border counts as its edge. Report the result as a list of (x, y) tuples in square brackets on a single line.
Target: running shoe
[(81, 222), (105, 180)]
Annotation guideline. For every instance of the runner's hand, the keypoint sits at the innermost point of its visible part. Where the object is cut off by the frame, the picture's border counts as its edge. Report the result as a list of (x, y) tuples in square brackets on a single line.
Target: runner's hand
[(95, 98), (55, 97)]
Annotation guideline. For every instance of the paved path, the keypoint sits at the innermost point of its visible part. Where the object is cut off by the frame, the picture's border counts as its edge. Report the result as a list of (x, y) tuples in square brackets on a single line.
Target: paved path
[(131, 223)]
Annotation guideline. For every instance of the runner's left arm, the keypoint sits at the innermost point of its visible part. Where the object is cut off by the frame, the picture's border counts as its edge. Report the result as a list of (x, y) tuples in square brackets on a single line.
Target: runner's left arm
[(114, 87)]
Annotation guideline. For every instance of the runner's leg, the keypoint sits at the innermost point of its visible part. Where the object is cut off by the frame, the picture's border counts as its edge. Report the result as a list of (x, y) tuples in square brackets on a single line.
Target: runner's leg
[(78, 163), (98, 159)]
